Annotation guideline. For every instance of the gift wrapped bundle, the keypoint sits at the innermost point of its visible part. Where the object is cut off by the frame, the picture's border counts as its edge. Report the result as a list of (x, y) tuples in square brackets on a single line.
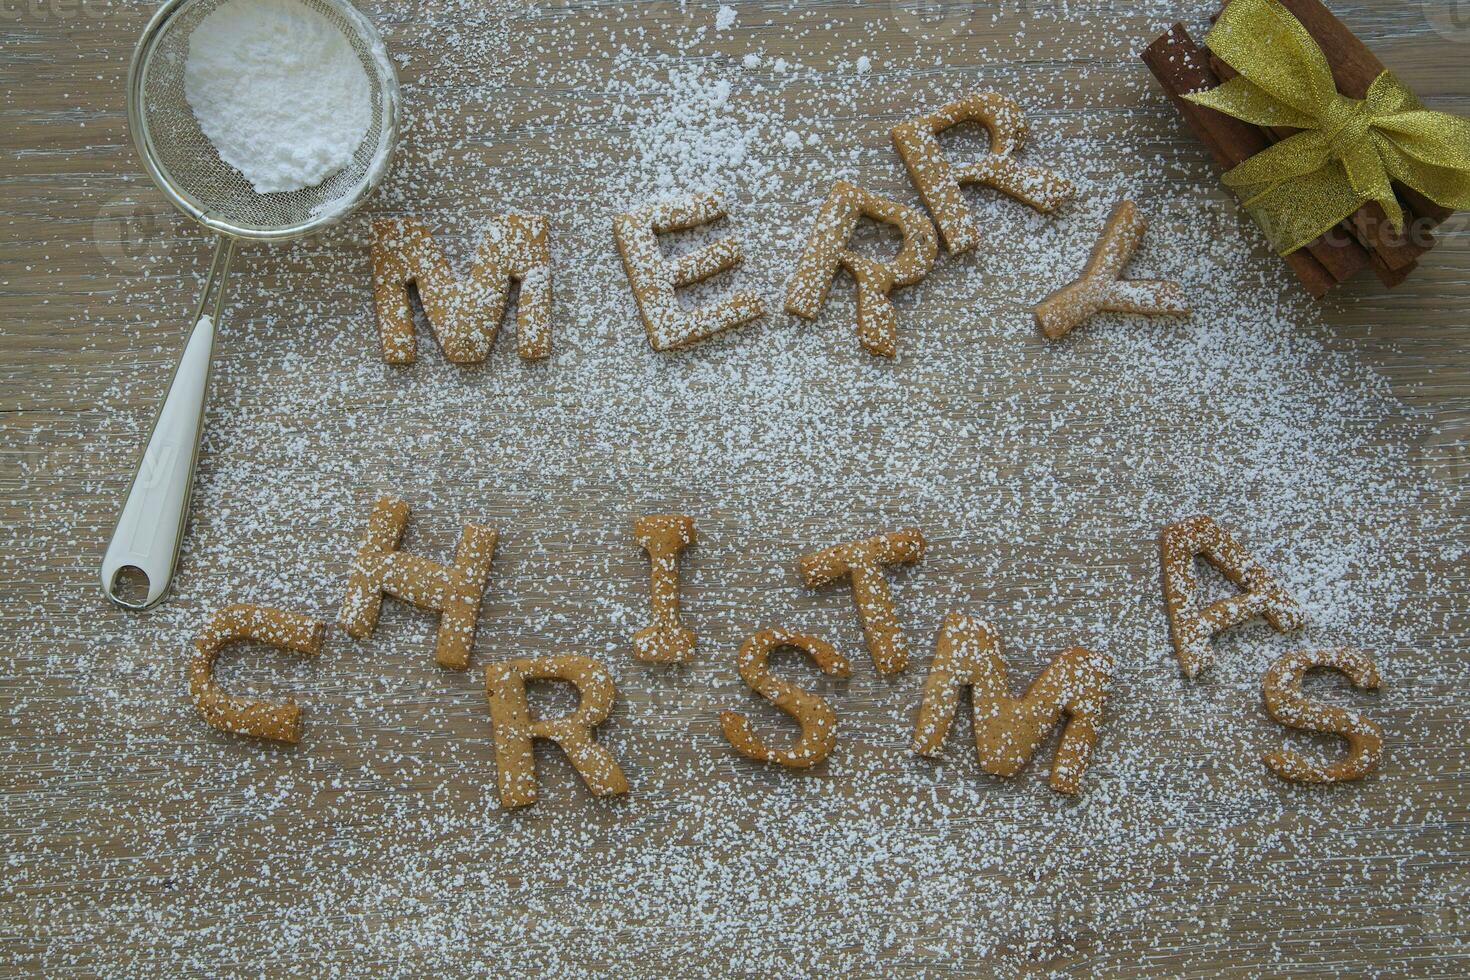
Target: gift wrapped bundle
[(1332, 156)]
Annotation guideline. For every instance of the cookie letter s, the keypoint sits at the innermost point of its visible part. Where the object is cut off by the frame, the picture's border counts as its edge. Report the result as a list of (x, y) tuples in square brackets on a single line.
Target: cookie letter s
[(1282, 689), (815, 716)]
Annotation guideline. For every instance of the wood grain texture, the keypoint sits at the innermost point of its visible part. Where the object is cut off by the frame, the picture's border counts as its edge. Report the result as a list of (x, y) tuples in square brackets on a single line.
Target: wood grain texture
[(138, 841)]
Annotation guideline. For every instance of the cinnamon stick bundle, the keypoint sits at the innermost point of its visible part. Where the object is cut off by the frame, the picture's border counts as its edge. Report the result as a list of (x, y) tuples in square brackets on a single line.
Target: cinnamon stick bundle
[(1366, 238), (1181, 66)]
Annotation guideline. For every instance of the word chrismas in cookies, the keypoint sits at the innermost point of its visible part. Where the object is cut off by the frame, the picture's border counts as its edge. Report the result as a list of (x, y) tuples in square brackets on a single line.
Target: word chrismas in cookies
[(1008, 728), (463, 312)]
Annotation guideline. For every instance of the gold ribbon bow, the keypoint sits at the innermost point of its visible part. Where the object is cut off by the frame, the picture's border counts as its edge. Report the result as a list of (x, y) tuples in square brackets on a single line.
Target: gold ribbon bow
[(1348, 151)]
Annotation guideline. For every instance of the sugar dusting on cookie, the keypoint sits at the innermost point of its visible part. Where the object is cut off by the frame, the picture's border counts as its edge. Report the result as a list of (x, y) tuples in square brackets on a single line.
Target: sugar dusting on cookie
[(1039, 472)]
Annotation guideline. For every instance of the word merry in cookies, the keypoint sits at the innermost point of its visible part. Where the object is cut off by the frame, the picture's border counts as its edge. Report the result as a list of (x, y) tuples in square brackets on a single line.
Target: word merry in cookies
[(968, 657), (464, 313)]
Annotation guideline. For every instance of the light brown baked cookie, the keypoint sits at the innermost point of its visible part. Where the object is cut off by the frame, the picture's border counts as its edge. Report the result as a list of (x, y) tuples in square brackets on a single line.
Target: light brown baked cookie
[(454, 591), (1282, 688), (664, 537), (939, 181), (1100, 290), (654, 277), (827, 251), (1190, 626), (515, 729), (812, 712), (1008, 730), (464, 313), (278, 722), (861, 562)]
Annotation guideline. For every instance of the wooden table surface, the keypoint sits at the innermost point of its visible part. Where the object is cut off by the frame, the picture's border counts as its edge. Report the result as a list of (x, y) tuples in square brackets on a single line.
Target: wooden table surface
[(1332, 437)]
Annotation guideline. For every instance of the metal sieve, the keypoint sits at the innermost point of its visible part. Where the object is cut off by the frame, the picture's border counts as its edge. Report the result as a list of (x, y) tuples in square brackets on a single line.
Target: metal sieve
[(185, 166)]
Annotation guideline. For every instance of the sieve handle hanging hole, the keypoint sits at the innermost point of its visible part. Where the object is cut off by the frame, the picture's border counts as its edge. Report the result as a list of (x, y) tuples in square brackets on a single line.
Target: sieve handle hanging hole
[(150, 527)]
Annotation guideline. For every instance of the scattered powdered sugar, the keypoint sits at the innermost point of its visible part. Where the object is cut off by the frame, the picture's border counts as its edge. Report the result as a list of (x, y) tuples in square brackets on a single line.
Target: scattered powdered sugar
[(1040, 472), (279, 91)]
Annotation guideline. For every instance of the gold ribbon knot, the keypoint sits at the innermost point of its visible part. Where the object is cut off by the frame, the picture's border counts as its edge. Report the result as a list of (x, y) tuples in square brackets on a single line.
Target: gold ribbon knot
[(1348, 151)]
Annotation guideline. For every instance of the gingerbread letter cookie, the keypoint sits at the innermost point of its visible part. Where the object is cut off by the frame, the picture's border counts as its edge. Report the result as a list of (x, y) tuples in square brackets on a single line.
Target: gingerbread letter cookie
[(939, 182), (1101, 291), (246, 716), (1282, 688), (454, 591), (1191, 626), (464, 313), (655, 278), (826, 251), (815, 716), (861, 562), (1007, 729), (510, 714), (664, 537)]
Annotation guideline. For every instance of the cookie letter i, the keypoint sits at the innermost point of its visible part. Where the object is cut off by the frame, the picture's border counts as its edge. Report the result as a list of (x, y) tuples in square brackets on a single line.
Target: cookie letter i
[(664, 537)]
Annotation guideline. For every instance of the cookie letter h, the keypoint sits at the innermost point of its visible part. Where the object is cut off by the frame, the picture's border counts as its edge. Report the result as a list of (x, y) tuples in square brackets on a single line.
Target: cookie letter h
[(454, 591)]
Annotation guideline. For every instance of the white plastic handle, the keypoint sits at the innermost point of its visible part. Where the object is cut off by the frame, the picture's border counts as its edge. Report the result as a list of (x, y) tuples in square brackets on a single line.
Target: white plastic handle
[(151, 526)]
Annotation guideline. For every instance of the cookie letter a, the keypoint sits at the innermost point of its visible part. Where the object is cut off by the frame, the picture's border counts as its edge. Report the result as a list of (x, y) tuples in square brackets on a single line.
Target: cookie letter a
[(815, 716), (1282, 689), (938, 181), (510, 714), (1191, 626), (464, 313), (1007, 729), (654, 277), (454, 591), (826, 251), (246, 716), (861, 563)]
